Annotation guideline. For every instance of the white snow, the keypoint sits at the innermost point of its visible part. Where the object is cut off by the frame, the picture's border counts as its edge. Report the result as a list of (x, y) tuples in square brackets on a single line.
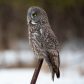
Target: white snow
[(71, 55), (24, 76), (11, 57)]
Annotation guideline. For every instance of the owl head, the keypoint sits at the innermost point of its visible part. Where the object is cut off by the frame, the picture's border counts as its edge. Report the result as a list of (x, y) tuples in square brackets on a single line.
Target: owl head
[(36, 15)]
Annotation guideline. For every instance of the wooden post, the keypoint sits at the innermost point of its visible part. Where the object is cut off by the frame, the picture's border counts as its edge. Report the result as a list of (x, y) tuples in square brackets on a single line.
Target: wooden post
[(36, 72)]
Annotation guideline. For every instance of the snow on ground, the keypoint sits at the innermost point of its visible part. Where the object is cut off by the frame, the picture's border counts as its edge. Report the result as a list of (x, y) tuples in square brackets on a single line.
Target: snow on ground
[(72, 53), (24, 76), (72, 66), (11, 57)]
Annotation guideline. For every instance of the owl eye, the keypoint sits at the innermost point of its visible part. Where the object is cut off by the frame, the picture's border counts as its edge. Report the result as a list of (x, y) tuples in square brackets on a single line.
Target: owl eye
[(34, 14)]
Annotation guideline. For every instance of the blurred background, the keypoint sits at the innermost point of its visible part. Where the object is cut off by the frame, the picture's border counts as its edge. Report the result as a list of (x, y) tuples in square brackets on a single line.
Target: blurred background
[(17, 61)]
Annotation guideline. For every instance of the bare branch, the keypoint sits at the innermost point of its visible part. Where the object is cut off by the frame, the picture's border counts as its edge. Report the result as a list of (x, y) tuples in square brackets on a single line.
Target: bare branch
[(36, 72)]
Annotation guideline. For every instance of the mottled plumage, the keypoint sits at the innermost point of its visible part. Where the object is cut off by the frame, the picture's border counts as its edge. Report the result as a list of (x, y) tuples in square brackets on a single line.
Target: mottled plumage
[(42, 40)]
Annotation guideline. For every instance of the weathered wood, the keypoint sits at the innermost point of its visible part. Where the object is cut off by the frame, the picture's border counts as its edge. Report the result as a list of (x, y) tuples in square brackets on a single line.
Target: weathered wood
[(36, 72)]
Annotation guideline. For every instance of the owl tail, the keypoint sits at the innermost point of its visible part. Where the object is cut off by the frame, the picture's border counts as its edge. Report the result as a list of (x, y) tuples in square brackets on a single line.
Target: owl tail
[(57, 71)]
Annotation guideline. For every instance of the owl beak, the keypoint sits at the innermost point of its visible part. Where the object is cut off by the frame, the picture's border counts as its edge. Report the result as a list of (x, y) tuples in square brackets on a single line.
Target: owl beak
[(29, 20)]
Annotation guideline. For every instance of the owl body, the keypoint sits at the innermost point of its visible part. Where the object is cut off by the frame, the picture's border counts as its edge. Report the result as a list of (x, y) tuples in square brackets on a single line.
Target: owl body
[(42, 40)]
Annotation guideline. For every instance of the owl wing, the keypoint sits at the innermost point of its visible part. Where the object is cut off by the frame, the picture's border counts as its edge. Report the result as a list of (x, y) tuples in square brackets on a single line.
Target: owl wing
[(51, 46), (51, 43)]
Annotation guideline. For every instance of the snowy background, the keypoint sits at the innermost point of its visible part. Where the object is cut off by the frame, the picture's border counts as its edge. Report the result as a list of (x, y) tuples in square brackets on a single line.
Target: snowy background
[(17, 66)]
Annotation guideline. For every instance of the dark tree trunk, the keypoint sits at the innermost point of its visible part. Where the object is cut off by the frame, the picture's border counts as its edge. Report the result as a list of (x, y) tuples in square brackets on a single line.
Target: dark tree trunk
[(6, 13)]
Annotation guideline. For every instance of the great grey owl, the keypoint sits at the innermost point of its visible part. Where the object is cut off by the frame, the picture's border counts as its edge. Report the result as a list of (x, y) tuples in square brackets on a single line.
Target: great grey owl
[(42, 40)]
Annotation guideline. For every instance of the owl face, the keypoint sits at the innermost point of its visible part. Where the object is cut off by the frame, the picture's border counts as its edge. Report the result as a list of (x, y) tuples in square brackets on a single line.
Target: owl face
[(33, 16)]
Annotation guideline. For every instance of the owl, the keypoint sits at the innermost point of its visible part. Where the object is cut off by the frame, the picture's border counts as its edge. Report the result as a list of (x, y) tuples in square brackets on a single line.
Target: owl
[(42, 39)]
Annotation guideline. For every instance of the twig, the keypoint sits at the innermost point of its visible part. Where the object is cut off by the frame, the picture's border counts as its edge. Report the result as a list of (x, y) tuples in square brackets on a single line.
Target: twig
[(36, 72)]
